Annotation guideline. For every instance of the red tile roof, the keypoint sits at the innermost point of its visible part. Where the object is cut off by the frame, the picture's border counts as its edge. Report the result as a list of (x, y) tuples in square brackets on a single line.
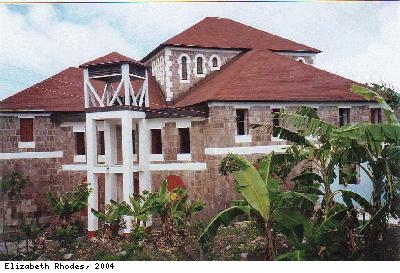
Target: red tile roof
[(63, 92), (216, 32), (111, 58), (259, 75)]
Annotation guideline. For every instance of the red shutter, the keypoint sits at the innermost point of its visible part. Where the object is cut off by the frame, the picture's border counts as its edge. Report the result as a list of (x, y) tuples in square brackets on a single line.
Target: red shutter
[(26, 129)]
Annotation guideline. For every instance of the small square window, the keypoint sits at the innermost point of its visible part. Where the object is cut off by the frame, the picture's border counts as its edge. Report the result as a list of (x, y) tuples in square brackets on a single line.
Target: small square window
[(376, 115), (344, 116), (80, 148), (26, 129), (242, 118), (184, 140), (276, 116), (156, 144)]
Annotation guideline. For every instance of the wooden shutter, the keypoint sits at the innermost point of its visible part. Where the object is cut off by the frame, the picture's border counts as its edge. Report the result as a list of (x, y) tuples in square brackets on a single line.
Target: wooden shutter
[(26, 129)]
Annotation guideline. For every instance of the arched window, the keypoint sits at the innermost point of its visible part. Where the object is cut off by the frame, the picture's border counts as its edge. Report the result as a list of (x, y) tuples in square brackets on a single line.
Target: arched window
[(301, 60), (184, 68), (214, 62), (199, 65)]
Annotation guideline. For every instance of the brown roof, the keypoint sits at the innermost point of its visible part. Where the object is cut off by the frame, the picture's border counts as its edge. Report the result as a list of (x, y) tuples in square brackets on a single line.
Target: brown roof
[(216, 32), (111, 58), (259, 75), (63, 92)]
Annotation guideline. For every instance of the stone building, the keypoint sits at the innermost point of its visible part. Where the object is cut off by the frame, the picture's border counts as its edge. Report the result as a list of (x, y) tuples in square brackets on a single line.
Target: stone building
[(125, 125)]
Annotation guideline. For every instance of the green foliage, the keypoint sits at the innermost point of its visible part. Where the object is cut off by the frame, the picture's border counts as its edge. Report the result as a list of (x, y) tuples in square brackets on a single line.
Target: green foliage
[(112, 218), (224, 217), (66, 204), (66, 235), (12, 184), (249, 182), (32, 231)]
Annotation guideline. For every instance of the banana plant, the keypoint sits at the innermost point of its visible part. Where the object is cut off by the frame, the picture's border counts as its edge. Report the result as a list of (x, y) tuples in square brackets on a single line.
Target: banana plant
[(262, 195)]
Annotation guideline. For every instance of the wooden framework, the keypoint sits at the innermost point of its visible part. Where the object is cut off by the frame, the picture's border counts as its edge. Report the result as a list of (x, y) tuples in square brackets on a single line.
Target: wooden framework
[(120, 76)]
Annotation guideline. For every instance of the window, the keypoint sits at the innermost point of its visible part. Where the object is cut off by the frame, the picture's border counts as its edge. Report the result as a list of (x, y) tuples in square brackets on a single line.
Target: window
[(199, 65), (156, 144), (101, 143), (344, 116), (242, 121), (301, 60), (276, 116), (80, 143), (376, 115), (184, 141), (134, 141), (26, 129), (349, 174), (184, 68), (214, 62)]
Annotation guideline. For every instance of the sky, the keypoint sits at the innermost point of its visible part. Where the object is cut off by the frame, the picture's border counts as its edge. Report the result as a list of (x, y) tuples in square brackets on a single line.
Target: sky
[(359, 40)]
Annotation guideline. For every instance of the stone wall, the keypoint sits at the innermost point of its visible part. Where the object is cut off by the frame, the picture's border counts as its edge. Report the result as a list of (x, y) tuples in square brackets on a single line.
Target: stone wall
[(43, 175), (166, 68)]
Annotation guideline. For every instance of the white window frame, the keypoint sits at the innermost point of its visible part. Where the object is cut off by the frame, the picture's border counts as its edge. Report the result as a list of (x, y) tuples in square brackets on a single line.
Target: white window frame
[(188, 62), (203, 63), (210, 64)]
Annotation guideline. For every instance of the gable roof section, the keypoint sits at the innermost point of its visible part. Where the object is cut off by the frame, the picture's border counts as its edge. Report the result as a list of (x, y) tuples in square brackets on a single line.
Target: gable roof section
[(63, 92), (111, 58), (216, 32), (259, 75)]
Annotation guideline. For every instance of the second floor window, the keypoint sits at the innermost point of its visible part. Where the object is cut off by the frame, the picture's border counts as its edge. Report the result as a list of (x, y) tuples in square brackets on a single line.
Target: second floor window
[(101, 143), (184, 68), (214, 62), (242, 122), (80, 143), (26, 129), (376, 115), (184, 141), (199, 65), (344, 116), (156, 144), (276, 117)]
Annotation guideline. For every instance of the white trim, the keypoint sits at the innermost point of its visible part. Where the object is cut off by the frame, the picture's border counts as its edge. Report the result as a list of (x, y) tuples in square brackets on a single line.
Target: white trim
[(210, 64), (74, 167), (197, 166), (156, 124), (188, 70), (301, 59), (243, 138), (183, 123), (79, 158), (202, 49), (157, 157), (115, 115), (203, 63), (26, 145), (101, 158), (184, 157), (246, 150), (245, 104), (31, 155), (276, 139), (179, 167), (294, 53)]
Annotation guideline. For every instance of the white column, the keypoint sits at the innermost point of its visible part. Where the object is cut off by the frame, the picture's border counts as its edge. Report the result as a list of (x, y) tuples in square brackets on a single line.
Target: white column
[(127, 161), (85, 87), (144, 158), (110, 149), (125, 77), (91, 148)]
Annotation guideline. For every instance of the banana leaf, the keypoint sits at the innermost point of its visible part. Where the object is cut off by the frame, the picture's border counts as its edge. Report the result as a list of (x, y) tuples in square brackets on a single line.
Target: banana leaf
[(224, 217)]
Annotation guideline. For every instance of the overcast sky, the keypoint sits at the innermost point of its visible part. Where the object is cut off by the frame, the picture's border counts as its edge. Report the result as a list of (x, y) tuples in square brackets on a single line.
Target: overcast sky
[(360, 41)]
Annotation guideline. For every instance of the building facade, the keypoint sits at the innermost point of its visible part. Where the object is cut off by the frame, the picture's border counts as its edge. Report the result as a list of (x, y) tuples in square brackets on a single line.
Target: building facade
[(125, 125)]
